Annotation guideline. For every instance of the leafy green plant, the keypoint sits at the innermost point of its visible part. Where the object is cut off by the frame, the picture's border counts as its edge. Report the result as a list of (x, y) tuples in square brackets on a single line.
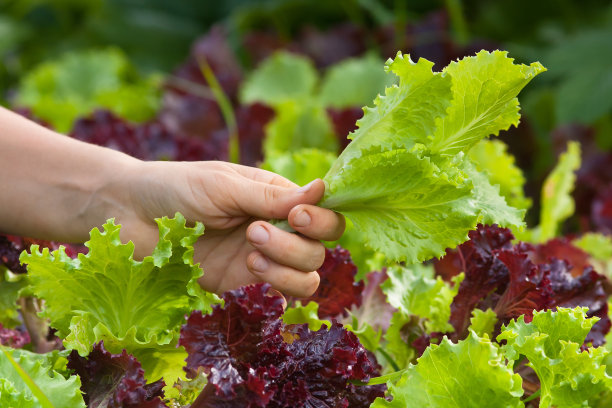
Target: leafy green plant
[(131, 305), (478, 371), (405, 180), (290, 84), (77, 83)]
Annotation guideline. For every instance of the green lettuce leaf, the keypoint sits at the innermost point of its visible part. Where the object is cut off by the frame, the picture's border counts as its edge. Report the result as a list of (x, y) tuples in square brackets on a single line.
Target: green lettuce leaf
[(551, 343), (77, 83), (29, 380), (597, 245), (298, 125), (10, 285), (414, 291), (492, 157), (471, 373), (338, 88), (300, 166), (308, 314), (408, 194), (484, 100), (492, 205), (368, 337), (557, 201), (402, 331), (405, 115), (283, 77), (483, 322), (107, 295), (413, 217)]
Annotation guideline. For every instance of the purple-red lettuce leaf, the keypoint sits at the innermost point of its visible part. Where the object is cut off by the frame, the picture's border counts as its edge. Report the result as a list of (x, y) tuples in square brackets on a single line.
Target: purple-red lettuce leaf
[(252, 359), (114, 380)]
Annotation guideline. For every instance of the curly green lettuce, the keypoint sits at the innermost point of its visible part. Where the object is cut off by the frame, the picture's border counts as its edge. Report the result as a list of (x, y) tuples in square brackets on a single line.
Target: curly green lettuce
[(406, 180), (108, 296)]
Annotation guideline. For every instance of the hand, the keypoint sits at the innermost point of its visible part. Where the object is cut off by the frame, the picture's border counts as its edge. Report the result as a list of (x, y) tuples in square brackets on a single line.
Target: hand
[(238, 246)]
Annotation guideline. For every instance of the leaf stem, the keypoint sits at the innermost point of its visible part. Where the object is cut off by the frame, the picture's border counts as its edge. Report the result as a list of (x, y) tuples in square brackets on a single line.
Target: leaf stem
[(532, 396), (455, 12), (388, 358), (40, 396), (226, 110)]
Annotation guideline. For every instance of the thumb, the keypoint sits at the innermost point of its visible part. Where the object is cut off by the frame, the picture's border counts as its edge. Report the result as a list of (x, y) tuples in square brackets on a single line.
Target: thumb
[(269, 201)]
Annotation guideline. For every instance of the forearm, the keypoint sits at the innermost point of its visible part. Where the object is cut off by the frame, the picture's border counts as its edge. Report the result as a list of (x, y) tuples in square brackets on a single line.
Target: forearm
[(55, 187)]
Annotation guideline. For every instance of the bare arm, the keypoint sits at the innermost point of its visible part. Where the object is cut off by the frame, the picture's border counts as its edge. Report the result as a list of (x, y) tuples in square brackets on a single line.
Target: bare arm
[(55, 187)]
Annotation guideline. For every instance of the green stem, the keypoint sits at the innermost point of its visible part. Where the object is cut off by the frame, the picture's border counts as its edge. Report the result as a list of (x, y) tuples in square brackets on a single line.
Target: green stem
[(383, 379), (389, 359), (282, 224), (226, 110), (532, 396), (455, 12), (40, 396)]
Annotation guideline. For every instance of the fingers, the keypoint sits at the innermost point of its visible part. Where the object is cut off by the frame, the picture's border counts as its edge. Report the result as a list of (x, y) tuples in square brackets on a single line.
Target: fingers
[(316, 222), (292, 250), (269, 201), (263, 176), (285, 260), (281, 277)]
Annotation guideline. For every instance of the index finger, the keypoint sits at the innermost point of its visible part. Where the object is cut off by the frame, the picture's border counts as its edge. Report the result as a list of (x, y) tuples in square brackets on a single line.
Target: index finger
[(264, 176)]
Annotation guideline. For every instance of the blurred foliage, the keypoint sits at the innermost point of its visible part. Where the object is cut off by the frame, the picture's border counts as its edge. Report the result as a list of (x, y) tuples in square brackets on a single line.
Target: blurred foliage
[(75, 85), (571, 38)]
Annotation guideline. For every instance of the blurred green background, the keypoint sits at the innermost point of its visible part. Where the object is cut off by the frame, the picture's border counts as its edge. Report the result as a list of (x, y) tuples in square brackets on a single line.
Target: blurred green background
[(152, 38)]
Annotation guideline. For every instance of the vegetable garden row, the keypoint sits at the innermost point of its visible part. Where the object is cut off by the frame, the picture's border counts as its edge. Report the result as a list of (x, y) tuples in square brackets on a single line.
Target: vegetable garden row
[(439, 294)]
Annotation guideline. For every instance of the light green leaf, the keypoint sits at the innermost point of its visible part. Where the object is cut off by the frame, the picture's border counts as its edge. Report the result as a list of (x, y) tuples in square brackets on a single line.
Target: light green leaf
[(10, 285), (368, 337), (300, 166), (403, 330), (551, 343), (405, 181), (185, 392), (107, 295), (483, 322), (414, 291), (484, 100), (471, 373), (363, 257), (298, 125), (405, 115), (29, 381), (493, 206), (557, 202), (339, 87), (597, 245), (412, 218), (160, 357), (281, 78), (77, 83), (491, 157), (308, 314)]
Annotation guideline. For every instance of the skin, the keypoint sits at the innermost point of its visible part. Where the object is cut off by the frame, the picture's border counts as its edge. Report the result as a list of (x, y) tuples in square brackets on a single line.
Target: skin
[(58, 188)]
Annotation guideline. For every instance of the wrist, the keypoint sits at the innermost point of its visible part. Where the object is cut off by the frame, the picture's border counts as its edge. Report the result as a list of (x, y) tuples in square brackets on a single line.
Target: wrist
[(104, 193)]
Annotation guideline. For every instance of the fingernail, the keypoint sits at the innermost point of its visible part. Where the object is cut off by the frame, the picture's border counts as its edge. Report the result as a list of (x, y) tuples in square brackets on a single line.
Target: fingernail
[(301, 219), (258, 235), (307, 187), (260, 264)]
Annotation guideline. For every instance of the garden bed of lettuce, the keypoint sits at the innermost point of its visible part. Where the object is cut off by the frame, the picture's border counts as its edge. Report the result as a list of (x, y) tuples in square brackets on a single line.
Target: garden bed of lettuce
[(501, 300)]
